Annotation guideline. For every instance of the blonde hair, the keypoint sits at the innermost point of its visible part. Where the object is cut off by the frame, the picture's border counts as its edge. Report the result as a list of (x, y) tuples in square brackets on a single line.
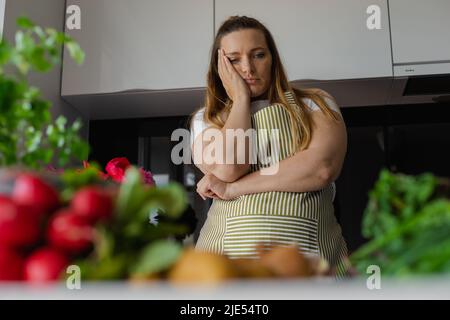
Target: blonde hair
[(217, 101)]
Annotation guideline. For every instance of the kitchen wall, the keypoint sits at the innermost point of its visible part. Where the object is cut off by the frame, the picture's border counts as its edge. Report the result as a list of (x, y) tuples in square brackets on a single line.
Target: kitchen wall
[(48, 13)]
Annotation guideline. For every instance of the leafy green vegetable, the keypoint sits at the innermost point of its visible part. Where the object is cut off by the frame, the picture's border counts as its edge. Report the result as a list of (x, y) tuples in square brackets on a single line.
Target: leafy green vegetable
[(408, 223), (157, 257), (74, 179), (130, 244)]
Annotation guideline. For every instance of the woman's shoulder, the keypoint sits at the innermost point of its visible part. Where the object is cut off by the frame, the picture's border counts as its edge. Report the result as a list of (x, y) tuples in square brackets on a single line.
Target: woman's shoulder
[(329, 100), (198, 115), (198, 123)]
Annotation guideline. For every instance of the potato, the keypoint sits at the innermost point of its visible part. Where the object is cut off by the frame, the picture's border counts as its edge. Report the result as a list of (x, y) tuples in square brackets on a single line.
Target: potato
[(201, 267), (286, 262), (251, 268)]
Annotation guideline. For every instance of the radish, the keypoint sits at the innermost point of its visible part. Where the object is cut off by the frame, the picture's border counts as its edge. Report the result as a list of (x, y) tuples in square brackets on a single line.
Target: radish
[(69, 232), (30, 190), (93, 204), (18, 226), (45, 265), (11, 265)]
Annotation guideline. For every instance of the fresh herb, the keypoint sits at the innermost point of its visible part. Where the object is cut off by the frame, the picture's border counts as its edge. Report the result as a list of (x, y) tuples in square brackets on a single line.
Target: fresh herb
[(27, 135), (408, 222)]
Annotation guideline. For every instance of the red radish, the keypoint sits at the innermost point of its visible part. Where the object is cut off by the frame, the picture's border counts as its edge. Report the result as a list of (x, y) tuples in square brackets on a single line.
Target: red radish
[(18, 226), (70, 232), (11, 265), (93, 204), (29, 190), (45, 265)]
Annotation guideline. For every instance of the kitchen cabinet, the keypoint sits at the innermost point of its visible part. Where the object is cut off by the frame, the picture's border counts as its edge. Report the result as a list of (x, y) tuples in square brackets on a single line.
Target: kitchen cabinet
[(419, 32), (323, 40), (139, 44), (2, 16)]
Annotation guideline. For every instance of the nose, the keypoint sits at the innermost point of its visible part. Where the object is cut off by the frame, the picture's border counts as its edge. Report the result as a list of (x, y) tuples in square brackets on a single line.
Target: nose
[(247, 67)]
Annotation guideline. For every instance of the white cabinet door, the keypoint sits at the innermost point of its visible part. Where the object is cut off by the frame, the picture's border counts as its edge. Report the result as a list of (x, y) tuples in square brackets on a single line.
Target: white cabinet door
[(140, 44), (326, 39), (420, 30), (2, 16), (420, 36)]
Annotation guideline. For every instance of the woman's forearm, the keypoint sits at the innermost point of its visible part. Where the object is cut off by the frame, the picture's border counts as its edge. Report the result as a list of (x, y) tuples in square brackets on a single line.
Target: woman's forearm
[(302, 172), (234, 161), (307, 170)]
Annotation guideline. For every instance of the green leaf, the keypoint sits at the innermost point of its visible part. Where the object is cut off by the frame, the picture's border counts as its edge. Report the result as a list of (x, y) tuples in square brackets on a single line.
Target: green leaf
[(39, 61), (104, 245), (5, 52), (157, 257), (173, 199), (61, 122), (33, 139), (75, 52), (106, 269), (24, 22)]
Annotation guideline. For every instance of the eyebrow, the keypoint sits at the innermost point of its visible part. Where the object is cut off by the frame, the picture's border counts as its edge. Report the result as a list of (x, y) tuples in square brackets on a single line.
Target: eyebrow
[(234, 53)]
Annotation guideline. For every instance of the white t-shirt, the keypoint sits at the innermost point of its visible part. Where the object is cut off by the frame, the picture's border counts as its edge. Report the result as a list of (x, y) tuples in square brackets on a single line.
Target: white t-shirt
[(198, 124)]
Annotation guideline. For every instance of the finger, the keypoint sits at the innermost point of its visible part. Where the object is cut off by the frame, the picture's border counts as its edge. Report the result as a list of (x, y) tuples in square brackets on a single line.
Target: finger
[(202, 191), (201, 183), (220, 65), (212, 195), (201, 195), (227, 64)]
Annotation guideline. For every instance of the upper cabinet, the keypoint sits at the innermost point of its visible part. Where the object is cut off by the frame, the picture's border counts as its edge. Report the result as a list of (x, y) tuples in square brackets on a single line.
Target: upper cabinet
[(2, 16), (420, 41), (139, 44), (322, 40)]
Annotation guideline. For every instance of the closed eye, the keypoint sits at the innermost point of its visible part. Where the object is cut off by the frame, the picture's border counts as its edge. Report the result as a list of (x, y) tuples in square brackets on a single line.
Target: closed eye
[(259, 56)]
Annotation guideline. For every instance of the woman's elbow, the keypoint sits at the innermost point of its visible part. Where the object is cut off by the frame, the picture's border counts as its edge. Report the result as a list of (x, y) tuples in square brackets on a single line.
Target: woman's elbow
[(326, 175), (230, 173)]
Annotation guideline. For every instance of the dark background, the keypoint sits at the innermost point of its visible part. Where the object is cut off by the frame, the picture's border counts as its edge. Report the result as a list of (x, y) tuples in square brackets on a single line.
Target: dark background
[(409, 138)]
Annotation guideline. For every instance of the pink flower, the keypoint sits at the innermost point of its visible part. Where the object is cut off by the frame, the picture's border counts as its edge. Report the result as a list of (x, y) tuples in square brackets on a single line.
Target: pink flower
[(116, 168), (148, 177)]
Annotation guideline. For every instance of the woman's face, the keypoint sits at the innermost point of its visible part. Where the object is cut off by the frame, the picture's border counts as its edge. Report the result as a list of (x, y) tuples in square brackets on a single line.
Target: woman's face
[(248, 52)]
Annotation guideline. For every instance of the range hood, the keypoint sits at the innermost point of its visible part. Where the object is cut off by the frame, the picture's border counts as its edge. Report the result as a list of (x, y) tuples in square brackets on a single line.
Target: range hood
[(432, 88)]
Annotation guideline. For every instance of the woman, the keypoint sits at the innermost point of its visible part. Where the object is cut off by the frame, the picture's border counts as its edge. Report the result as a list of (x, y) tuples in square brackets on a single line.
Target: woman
[(248, 88)]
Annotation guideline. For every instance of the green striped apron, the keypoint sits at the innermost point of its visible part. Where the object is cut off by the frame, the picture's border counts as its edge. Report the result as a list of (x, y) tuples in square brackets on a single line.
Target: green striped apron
[(236, 227)]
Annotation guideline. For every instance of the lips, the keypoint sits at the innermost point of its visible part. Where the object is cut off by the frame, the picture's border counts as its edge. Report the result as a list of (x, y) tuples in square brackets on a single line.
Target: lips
[(251, 81)]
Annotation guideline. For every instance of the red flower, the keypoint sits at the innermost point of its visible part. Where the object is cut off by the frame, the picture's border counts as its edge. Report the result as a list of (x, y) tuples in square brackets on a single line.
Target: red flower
[(116, 168)]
